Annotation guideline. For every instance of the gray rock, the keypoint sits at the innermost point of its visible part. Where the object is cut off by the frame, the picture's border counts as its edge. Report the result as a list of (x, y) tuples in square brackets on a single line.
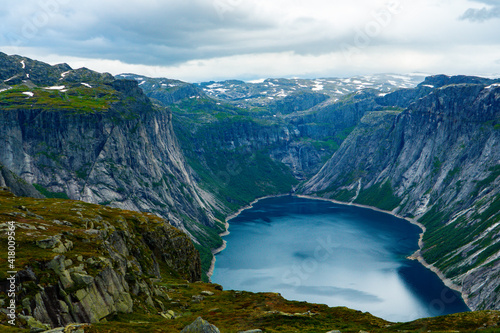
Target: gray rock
[(200, 326), (49, 243)]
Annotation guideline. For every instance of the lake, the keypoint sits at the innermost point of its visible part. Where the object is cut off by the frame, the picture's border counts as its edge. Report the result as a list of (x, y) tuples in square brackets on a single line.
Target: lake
[(340, 255)]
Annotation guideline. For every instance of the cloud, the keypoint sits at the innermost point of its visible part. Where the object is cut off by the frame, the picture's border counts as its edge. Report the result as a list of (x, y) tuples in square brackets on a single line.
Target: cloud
[(198, 39), (345, 293), (481, 15)]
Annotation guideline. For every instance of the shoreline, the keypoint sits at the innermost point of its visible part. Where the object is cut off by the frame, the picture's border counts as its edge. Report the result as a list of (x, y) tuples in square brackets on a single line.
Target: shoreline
[(210, 271), (417, 255)]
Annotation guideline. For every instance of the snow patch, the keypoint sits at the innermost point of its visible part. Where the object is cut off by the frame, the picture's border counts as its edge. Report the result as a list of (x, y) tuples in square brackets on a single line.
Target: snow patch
[(142, 82), (257, 81), (214, 85), (29, 93), (428, 85), (64, 74), (318, 86), (281, 94), (55, 88), (493, 85), (87, 85), (2, 90), (23, 64)]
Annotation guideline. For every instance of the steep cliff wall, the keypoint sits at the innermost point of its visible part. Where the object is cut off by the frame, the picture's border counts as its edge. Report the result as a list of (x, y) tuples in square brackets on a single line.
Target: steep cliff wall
[(99, 140), (437, 161)]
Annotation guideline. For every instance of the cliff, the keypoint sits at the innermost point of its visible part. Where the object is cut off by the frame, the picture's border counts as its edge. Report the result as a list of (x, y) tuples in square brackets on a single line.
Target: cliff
[(99, 140), (437, 162)]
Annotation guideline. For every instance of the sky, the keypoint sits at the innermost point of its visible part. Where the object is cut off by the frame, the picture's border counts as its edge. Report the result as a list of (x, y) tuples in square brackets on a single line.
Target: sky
[(203, 40)]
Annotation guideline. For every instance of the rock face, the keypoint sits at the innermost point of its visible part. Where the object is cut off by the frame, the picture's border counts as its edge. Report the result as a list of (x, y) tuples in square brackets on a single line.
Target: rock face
[(436, 161), (96, 139), (16, 184)]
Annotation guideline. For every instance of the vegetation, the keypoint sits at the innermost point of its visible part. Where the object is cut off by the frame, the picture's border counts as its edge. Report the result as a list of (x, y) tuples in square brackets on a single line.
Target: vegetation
[(441, 240), (48, 194), (381, 196), (77, 98)]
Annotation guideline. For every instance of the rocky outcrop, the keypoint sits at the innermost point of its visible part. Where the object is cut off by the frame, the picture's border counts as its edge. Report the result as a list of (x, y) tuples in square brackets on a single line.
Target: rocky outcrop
[(436, 162), (200, 326), (16, 184), (94, 263)]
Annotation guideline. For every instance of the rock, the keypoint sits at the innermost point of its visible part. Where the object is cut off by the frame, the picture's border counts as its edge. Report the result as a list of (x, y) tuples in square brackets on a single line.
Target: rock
[(251, 331), (197, 298), (92, 232), (200, 326), (334, 331), (82, 279), (34, 325), (49, 243), (207, 293), (169, 314)]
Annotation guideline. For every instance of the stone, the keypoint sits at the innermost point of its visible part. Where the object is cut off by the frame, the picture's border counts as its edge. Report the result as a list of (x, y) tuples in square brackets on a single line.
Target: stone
[(82, 279), (49, 243), (207, 293), (200, 326), (169, 314), (197, 298), (35, 326)]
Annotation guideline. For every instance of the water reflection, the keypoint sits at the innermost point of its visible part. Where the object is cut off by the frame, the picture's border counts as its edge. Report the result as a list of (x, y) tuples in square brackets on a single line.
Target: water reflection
[(320, 252)]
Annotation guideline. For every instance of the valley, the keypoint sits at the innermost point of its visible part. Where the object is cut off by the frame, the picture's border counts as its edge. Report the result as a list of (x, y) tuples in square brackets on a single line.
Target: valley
[(139, 153)]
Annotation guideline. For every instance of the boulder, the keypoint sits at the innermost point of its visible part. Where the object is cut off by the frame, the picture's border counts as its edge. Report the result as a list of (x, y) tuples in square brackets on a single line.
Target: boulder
[(200, 326)]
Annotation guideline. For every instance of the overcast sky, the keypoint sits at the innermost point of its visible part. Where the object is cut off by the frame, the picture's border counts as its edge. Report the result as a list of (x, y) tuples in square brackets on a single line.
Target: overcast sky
[(202, 40)]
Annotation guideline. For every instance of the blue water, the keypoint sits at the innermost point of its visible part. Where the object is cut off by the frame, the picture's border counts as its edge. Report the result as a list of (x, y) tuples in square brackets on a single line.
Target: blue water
[(321, 252)]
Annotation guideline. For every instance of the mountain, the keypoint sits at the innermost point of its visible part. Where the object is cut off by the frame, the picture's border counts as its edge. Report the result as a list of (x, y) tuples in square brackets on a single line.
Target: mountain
[(438, 162), (86, 136), (276, 92)]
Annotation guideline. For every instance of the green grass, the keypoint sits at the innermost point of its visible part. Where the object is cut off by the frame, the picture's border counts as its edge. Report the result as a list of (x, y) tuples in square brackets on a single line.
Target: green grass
[(77, 98)]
